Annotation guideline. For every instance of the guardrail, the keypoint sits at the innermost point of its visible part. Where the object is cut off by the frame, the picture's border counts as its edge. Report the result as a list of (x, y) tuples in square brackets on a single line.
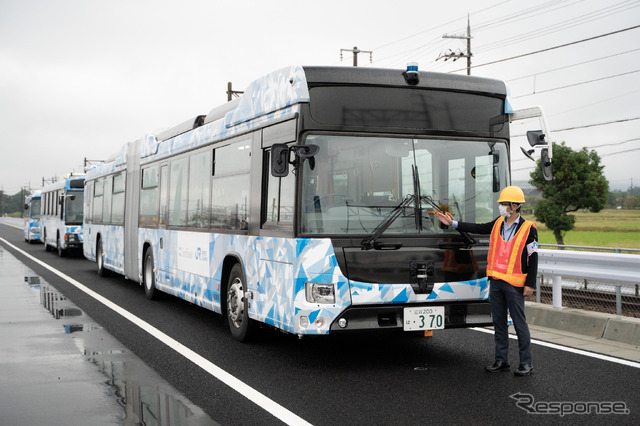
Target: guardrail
[(592, 248), (615, 268)]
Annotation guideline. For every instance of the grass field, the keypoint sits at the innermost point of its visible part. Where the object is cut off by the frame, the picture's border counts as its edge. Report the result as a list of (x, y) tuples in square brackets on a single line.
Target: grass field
[(608, 228)]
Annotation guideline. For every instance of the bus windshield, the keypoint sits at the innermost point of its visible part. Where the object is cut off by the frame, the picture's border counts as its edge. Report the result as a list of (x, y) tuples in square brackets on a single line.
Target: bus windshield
[(74, 204), (34, 211), (355, 183)]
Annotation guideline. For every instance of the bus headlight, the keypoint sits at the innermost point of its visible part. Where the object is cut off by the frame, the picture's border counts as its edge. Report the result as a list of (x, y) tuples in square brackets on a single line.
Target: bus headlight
[(320, 293)]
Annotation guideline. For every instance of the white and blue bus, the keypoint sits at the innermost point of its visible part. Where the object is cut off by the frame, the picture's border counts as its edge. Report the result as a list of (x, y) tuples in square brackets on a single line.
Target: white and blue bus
[(307, 204), (62, 215), (32, 221)]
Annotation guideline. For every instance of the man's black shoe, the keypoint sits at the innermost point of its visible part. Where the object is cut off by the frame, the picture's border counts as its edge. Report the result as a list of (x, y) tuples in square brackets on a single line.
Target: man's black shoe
[(498, 366), (524, 370)]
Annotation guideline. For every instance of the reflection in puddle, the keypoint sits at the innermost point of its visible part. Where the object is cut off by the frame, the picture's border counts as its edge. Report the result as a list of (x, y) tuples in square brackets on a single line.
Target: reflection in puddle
[(57, 304), (145, 398)]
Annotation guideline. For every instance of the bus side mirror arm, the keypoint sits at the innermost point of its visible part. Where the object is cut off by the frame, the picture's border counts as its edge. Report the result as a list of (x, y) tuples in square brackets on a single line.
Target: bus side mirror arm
[(538, 139)]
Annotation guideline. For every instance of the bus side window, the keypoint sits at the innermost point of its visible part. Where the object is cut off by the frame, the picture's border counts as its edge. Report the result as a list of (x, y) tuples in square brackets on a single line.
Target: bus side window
[(178, 185), (149, 197), (88, 201), (164, 194), (106, 199), (278, 199), (96, 213), (117, 215)]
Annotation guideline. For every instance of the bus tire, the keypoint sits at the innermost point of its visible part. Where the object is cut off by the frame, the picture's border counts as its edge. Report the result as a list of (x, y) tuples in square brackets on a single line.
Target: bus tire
[(59, 247), (237, 312), (100, 260), (148, 275)]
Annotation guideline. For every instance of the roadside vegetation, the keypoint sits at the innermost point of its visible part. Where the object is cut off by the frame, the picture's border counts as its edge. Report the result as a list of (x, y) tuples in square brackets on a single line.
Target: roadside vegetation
[(607, 228)]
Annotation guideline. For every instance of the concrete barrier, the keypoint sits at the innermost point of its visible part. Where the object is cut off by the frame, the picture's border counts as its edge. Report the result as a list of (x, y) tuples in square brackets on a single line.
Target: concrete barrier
[(592, 324)]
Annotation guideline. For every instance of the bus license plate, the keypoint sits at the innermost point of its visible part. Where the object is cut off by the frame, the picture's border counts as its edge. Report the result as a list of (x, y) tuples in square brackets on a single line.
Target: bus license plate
[(424, 318)]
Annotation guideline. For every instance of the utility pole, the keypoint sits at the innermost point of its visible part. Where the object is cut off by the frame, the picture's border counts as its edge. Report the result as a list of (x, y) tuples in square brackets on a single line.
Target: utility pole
[(355, 51), (231, 93), (459, 54), (52, 179), (21, 202), (87, 163)]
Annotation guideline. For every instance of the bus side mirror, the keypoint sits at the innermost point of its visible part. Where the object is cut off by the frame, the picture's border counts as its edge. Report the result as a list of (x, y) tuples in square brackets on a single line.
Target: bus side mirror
[(280, 157), (280, 160), (536, 137), (545, 164), (26, 206)]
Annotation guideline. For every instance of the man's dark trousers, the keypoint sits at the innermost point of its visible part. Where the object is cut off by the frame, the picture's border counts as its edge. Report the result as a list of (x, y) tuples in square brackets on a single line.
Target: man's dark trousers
[(505, 296)]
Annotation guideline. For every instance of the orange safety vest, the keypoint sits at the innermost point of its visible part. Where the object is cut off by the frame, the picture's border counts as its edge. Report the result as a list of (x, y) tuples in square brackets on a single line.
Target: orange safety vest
[(503, 261)]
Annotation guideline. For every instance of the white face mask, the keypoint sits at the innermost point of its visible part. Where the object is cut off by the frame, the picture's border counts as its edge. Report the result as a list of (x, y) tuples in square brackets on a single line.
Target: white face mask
[(503, 211)]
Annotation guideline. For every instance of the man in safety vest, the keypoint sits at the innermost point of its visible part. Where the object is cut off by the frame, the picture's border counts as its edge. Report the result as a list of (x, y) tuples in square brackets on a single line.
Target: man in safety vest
[(512, 266)]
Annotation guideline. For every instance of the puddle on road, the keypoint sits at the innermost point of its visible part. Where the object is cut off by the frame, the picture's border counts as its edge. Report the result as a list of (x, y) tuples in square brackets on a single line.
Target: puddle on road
[(145, 398)]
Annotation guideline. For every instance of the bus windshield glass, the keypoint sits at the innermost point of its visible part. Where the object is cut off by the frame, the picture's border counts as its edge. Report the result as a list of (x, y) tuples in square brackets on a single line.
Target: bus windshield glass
[(35, 208), (74, 207), (356, 183)]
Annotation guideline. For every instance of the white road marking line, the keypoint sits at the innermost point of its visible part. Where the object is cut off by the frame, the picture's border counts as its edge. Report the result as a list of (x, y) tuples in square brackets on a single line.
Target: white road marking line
[(242, 388), (572, 350)]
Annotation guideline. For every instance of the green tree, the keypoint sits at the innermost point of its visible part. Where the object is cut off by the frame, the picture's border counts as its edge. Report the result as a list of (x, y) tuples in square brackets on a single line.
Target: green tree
[(578, 183), (632, 202), (616, 199)]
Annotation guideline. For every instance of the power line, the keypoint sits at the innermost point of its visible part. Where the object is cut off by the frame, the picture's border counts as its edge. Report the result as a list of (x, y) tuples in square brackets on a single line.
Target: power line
[(598, 146), (591, 104), (614, 143), (596, 124), (572, 65), (575, 84), (550, 48), (561, 26), (439, 26), (600, 155), (619, 152), (622, 120)]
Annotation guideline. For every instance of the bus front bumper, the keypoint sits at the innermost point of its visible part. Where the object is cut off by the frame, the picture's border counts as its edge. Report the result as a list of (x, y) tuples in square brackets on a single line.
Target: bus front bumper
[(72, 241), (390, 317)]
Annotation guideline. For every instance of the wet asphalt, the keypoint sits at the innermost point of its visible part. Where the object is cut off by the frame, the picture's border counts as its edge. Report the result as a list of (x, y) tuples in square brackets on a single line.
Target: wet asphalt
[(59, 367)]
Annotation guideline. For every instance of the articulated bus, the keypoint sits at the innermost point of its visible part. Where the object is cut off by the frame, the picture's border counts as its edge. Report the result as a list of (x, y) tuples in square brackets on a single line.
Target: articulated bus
[(308, 203), (32, 221), (62, 215)]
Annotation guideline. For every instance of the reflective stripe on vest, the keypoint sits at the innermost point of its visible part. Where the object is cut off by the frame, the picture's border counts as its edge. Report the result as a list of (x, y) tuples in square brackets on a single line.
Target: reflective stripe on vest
[(503, 261)]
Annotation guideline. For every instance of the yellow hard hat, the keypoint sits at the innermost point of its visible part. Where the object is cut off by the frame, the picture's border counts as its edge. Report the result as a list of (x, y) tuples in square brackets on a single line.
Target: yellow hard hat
[(511, 194)]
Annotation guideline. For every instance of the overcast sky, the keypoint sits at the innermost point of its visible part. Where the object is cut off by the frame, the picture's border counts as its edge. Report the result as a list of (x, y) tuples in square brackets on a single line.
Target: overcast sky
[(79, 78)]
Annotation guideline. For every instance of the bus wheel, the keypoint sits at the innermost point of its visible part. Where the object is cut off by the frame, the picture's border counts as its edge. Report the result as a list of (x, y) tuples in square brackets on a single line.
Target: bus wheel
[(59, 246), (100, 260), (237, 309), (148, 276)]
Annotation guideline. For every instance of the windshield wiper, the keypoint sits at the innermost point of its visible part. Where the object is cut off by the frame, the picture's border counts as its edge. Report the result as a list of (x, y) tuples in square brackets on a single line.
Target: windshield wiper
[(371, 243)]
